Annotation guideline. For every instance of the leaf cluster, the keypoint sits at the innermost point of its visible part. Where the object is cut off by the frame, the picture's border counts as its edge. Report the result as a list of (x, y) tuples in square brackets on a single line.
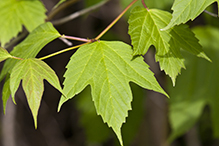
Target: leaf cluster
[(107, 67)]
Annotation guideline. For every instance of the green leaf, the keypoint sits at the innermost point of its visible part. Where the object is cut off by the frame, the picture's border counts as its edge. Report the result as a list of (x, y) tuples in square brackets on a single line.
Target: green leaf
[(131, 128), (197, 87), (184, 10), (15, 13), (32, 72), (108, 67), (208, 37), (31, 46), (89, 119), (6, 92), (4, 54), (144, 29)]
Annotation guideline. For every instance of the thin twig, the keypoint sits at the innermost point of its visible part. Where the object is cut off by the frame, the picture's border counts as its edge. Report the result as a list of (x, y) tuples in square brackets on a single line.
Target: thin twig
[(17, 39), (14, 57), (67, 42), (143, 3), (62, 51), (60, 8), (79, 13), (210, 13), (75, 38), (114, 21)]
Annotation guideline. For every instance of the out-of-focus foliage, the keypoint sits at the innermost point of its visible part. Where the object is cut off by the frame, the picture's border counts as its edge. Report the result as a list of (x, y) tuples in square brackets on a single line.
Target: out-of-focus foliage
[(15, 13), (197, 86)]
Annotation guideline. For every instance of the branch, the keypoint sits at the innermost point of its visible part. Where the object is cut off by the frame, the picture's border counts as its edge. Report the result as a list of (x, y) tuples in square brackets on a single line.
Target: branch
[(79, 13), (76, 38), (210, 13), (67, 42), (17, 39), (143, 3), (60, 8), (114, 21)]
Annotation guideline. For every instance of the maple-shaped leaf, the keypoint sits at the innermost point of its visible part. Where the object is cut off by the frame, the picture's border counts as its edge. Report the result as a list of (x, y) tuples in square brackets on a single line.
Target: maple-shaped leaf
[(185, 10), (4, 54), (144, 29), (197, 87), (108, 67), (15, 13), (31, 46), (32, 72)]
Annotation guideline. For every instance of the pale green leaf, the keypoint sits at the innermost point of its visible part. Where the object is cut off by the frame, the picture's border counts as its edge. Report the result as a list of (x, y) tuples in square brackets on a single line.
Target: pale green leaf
[(185, 10), (91, 122), (136, 116), (144, 29), (4, 54), (31, 46), (108, 67), (32, 72), (89, 119), (197, 87), (15, 13)]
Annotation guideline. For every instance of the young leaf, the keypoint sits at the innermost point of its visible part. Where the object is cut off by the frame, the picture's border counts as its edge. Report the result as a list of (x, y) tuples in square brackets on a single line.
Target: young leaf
[(15, 13), (197, 87), (4, 54), (108, 67), (32, 72), (31, 46), (184, 10), (144, 29)]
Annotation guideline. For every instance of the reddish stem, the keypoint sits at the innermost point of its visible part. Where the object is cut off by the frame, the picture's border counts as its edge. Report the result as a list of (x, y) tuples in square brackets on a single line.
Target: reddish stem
[(76, 38), (143, 3), (117, 19)]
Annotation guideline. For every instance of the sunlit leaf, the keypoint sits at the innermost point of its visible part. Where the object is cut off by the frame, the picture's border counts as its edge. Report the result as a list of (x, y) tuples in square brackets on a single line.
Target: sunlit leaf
[(4, 54), (108, 67), (90, 120), (15, 13), (32, 72), (185, 10), (144, 29), (31, 46)]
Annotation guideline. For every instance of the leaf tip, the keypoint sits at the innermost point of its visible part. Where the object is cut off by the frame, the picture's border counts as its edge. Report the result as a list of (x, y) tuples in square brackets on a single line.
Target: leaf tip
[(62, 100), (173, 81), (35, 124), (13, 99), (119, 135), (59, 108), (35, 119), (203, 55)]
